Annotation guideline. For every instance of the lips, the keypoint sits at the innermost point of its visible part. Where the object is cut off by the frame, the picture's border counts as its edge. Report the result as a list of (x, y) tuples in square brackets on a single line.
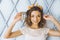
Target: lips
[(35, 21)]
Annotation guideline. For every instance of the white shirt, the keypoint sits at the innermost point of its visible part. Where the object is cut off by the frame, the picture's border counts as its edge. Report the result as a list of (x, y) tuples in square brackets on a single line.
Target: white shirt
[(34, 34)]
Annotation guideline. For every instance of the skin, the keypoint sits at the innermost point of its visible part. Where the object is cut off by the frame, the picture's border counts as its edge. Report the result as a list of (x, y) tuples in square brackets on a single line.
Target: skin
[(35, 19)]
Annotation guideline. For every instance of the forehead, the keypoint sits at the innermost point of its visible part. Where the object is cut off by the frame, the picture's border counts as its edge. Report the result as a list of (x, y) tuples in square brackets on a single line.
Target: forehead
[(35, 13)]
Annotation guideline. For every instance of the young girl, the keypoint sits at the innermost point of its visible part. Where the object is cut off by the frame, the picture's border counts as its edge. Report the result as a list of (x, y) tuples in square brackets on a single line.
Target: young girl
[(35, 28)]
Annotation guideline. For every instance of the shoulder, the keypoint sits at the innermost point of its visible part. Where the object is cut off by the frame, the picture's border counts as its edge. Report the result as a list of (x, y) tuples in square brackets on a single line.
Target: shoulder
[(46, 30), (24, 29)]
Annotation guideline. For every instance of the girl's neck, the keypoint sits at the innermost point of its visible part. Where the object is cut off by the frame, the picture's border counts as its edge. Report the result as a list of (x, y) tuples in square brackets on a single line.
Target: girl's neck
[(34, 26)]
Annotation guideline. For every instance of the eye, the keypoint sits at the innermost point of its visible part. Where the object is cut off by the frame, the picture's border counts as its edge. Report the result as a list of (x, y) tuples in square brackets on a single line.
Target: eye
[(38, 15), (32, 16)]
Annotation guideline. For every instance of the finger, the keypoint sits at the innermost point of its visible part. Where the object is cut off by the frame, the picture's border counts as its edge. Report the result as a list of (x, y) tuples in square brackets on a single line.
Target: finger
[(18, 15), (46, 16)]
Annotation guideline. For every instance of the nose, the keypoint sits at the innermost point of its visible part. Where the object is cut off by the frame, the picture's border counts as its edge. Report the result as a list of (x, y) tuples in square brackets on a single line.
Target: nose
[(35, 18)]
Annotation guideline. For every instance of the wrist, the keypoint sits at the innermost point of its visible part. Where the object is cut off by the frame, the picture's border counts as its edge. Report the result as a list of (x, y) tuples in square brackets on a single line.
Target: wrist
[(53, 20), (14, 21)]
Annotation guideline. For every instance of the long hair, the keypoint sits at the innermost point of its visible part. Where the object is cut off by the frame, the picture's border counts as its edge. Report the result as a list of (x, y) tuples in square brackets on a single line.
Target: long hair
[(28, 18)]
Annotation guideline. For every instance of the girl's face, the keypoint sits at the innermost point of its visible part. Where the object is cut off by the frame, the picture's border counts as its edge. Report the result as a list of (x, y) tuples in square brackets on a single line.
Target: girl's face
[(35, 17)]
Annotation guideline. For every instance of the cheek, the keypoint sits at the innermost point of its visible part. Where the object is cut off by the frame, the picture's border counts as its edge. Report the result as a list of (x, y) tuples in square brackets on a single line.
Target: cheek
[(32, 19), (39, 19)]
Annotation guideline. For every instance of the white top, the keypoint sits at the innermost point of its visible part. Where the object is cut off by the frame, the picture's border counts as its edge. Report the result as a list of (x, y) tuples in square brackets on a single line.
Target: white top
[(34, 34)]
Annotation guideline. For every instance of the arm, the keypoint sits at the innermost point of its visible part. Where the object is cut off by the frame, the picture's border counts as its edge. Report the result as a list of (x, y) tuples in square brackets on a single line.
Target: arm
[(51, 18), (9, 33), (56, 23), (53, 32)]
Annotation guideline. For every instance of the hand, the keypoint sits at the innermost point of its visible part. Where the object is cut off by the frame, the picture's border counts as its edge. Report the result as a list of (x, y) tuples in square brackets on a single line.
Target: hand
[(48, 17), (18, 17)]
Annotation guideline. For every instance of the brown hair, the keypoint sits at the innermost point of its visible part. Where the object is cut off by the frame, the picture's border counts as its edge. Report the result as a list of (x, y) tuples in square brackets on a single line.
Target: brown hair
[(28, 18)]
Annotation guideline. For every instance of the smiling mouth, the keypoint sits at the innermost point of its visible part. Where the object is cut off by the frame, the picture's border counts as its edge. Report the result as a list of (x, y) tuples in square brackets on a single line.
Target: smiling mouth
[(35, 21)]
